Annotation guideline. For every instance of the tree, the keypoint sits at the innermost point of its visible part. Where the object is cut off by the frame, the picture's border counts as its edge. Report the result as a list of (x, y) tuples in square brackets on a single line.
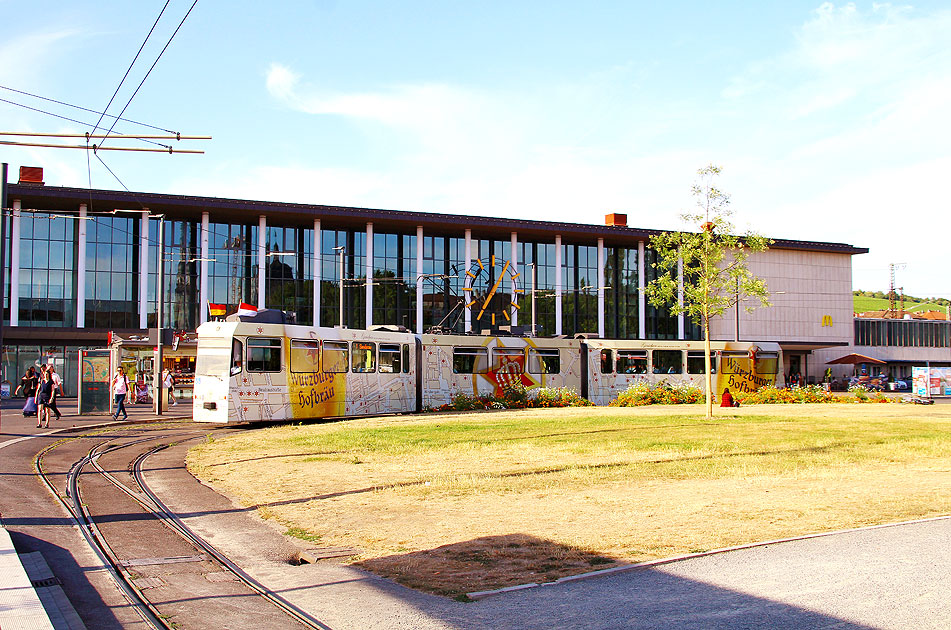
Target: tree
[(711, 263)]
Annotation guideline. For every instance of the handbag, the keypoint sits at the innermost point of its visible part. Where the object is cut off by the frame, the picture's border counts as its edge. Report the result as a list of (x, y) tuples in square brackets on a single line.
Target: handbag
[(30, 407)]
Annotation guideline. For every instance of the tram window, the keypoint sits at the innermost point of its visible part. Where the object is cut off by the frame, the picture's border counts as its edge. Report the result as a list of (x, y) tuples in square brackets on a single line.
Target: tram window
[(732, 360), (767, 362), (544, 361), (607, 361), (510, 360), (469, 360), (696, 364), (632, 361), (335, 356), (237, 356), (390, 357), (405, 358), (668, 361), (304, 355), (363, 358), (264, 354)]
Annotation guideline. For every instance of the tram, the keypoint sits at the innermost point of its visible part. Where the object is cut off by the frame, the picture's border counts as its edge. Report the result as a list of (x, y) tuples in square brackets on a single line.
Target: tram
[(260, 368)]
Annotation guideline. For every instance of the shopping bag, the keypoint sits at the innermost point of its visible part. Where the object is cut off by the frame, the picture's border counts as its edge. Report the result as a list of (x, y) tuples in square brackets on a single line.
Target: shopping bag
[(30, 407)]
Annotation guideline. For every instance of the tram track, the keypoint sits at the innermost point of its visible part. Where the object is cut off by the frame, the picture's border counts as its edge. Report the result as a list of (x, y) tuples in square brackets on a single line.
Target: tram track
[(167, 612)]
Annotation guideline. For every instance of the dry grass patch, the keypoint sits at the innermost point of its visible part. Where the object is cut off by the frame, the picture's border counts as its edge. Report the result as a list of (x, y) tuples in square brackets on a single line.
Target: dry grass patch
[(439, 501)]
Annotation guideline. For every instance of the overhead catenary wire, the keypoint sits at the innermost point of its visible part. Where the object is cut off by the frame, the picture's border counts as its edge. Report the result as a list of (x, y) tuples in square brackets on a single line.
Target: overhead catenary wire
[(85, 109), (129, 69), (152, 67), (126, 136), (67, 118)]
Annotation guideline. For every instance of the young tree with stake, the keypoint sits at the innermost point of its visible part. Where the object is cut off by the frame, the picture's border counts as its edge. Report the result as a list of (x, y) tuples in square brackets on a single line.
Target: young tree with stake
[(714, 270)]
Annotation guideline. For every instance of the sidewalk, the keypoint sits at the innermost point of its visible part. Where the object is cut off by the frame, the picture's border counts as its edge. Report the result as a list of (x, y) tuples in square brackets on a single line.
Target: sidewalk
[(11, 410), (31, 596)]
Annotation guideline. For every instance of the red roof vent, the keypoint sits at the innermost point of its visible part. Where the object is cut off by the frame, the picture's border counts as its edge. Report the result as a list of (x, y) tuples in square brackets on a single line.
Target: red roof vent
[(619, 220), (31, 175)]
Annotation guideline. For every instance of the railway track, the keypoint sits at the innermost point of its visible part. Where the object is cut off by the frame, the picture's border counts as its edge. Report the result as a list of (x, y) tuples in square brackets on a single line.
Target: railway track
[(170, 575)]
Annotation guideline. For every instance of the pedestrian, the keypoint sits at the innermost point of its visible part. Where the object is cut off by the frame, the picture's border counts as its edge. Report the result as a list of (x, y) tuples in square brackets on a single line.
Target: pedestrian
[(57, 388), (44, 397), (120, 389), (168, 382), (28, 383)]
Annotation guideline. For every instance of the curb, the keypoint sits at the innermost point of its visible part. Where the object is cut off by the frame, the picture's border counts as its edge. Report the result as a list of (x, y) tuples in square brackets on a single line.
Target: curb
[(477, 595)]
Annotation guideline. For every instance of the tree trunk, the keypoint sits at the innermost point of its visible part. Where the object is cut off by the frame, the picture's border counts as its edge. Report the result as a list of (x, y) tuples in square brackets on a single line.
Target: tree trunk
[(706, 361)]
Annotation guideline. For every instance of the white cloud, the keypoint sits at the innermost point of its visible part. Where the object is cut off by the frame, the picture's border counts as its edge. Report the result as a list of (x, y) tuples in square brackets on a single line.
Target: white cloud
[(23, 56)]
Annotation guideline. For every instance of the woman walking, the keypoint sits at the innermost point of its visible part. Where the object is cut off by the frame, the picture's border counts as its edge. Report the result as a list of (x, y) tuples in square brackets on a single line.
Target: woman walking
[(120, 388), (44, 399)]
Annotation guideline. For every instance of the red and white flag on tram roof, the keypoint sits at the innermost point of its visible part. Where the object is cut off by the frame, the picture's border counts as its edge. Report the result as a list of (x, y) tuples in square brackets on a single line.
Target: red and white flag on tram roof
[(247, 310)]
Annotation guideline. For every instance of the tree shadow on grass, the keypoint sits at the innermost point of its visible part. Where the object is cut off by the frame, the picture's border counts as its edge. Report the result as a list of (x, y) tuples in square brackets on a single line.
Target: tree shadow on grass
[(486, 563)]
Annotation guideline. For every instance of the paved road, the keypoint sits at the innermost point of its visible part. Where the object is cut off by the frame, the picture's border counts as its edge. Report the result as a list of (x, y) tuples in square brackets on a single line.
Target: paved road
[(884, 578)]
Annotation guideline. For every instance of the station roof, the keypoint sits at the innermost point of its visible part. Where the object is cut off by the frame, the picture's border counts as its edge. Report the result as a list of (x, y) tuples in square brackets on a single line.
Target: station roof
[(56, 198)]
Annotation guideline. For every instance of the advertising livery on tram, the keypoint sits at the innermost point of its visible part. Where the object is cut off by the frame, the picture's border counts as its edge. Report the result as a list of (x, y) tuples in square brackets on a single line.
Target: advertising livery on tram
[(259, 368)]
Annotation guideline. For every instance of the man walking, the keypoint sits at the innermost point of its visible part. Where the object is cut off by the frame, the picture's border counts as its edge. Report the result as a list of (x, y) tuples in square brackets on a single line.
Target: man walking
[(57, 385)]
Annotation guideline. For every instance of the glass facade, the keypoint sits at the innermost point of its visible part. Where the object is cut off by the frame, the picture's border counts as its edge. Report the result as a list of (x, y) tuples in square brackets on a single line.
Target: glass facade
[(661, 324), (233, 251), (620, 299), (394, 280), (180, 309), (902, 332), (47, 280), (112, 279), (289, 271)]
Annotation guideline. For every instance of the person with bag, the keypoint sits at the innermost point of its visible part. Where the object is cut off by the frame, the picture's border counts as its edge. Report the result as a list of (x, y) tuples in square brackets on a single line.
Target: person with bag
[(168, 382), (120, 389), (28, 384), (44, 398)]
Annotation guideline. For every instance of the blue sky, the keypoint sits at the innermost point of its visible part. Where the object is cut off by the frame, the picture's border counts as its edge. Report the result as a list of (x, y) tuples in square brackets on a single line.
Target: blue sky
[(830, 119)]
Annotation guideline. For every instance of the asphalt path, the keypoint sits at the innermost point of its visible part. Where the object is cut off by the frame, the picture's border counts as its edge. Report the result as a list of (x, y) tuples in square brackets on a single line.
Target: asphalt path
[(894, 577)]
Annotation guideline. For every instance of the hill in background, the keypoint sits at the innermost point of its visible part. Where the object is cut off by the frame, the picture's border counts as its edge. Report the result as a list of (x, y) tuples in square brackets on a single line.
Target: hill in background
[(864, 301)]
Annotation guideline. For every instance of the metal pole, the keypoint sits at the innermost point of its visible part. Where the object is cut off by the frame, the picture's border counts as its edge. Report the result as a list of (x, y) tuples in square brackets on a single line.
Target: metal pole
[(157, 370), (342, 250), (736, 295), (534, 280), (3, 257)]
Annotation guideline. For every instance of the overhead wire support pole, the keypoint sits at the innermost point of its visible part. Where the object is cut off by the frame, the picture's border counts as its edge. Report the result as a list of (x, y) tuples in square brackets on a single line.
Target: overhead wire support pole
[(95, 148), (3, 255), (158, 368)]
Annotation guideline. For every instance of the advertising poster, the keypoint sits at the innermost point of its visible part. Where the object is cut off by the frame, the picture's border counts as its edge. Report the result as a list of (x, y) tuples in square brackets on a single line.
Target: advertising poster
[(934, 381), (742, 371), (315, 393)]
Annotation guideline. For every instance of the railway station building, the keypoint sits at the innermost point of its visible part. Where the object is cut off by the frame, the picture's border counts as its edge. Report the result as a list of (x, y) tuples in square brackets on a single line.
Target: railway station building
[(82, 263)]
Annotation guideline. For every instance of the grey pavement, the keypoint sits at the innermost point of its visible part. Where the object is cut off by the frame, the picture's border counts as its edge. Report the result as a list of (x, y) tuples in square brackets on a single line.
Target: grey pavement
[(883, 578)]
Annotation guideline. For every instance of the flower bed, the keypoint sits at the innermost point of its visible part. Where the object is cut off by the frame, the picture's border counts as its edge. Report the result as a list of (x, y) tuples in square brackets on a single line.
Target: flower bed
[(663, 394), (516, 396)]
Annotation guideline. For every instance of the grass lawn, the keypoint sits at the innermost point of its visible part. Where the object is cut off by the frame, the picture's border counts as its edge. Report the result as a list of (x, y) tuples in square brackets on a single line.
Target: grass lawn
[(455, 503), (862, 303)]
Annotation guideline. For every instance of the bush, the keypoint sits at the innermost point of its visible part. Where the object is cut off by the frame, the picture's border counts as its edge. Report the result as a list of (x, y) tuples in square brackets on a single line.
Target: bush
[(545, 397), (662, 394), (810, 394), (517, 396), (514, 395), (775, 396)]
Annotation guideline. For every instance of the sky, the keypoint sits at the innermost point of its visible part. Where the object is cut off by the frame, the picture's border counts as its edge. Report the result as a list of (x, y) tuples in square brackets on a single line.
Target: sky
[(830, 120)]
